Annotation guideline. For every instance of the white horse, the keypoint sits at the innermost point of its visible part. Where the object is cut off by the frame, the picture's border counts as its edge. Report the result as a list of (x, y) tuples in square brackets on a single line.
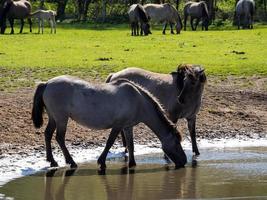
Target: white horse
[(48, 15)]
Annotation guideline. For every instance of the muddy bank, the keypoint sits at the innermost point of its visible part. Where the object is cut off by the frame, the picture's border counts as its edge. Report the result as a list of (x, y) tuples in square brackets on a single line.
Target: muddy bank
[(232, 108)]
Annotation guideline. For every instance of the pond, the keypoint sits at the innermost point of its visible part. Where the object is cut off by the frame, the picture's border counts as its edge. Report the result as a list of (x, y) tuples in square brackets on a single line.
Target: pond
[(229, 173)]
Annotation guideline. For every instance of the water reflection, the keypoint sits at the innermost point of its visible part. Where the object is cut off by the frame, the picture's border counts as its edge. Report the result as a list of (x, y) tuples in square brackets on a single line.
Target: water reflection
[(126, 183)]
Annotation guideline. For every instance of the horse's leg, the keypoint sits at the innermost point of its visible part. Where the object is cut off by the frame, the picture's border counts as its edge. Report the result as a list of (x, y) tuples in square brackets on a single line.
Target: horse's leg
[(185, 19), (123, 141), (54, 22), (164, 28), (191, 123), (128, 132), (51, 25), (42, 22), (192, 23), (196, 24), (30, 23), (51, 127), (171, 25), (39, 25), (60, 138), (137, 28), (238, 22), (11, 22), (111, 139), (21, 26)]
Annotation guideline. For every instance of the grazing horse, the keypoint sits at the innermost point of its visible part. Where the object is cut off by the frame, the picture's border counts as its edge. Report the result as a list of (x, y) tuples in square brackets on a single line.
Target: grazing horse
[(15, 10), (180, 92), (137, 15), (245, 10), (198, 11), (102, 107), (164, 13), (48, 15)]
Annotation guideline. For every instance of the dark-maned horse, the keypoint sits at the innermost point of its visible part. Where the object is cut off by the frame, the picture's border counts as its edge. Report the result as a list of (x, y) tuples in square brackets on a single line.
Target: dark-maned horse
[(15, 10), (245, 10), (198, 11), (137, 15), (164, 13), (180, 92), (115, 105)]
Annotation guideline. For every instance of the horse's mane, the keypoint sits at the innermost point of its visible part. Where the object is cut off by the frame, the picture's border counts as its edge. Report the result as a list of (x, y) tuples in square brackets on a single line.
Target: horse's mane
[(160, 110), (142, 14)]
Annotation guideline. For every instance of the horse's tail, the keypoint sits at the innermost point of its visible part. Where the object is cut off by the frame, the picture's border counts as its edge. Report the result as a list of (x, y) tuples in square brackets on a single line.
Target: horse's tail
[(6, 7), (38, 106), (205, 11), (109, 78), (142, 13)]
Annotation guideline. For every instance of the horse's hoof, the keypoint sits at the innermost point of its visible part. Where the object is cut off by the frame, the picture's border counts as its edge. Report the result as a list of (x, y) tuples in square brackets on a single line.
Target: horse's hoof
[(54, 164), (132, 164), (73, 165)]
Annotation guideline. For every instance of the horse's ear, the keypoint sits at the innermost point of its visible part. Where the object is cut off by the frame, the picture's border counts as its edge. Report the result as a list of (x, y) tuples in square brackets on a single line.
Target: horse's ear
[(202, 76)]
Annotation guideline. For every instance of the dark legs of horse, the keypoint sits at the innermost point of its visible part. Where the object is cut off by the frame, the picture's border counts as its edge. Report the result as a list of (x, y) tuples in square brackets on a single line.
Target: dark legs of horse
[(192, 23), (191, 123), (185, 19), (171, 25), (164, 28), (124, 141), (60, 138), (22, 25), (11, 22), (51, 127), (238, 22), (111, 139), (128, 133), (30, 23), (196, 24)]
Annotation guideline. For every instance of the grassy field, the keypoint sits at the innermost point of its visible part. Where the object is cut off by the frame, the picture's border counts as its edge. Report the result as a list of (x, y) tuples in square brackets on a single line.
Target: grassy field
[(90, 51)]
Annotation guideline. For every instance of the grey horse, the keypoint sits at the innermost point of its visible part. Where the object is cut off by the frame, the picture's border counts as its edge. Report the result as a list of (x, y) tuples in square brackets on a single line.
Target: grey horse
[(198, 11), (179, 92), (137, 15), (15, 10), (101, 107), (245, 10), (164, 13)]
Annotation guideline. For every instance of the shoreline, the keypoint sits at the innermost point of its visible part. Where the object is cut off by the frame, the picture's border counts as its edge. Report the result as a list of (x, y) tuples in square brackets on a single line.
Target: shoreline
[(17, 165)]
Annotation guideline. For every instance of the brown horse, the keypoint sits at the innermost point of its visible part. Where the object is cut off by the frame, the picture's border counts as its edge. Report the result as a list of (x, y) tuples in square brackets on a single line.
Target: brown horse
[(12, 10)]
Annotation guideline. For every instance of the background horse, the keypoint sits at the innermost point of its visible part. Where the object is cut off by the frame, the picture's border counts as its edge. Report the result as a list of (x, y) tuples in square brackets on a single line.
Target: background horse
[(198, 11), (115, 105), (179, 92), (137, 15), (48, 15), (245, 10), (164, 13), (15, 10)]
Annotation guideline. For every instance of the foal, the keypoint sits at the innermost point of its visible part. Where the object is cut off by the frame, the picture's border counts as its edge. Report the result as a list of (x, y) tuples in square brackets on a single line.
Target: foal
[(48, 15)]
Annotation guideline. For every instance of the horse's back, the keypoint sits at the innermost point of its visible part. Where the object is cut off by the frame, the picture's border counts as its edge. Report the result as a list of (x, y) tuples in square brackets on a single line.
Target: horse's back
[(95, 106), (245, 7), (20, 9)]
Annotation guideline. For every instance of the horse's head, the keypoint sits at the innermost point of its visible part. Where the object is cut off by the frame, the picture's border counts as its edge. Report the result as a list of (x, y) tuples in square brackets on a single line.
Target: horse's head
[(193, 82), (173, 149), (146, 28), (178, 25)]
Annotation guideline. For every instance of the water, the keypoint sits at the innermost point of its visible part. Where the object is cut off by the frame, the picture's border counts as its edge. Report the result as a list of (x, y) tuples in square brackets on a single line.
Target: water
[(232, 173)]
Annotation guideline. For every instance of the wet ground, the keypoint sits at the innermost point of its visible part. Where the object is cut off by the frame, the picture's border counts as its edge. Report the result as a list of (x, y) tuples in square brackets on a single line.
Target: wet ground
[(225, 173)]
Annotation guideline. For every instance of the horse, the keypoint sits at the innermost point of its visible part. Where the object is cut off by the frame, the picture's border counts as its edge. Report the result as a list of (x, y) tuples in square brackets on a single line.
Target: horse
[(245, 10), (180, 92), (198, 11), (137, 15), (15, 10), (165, 13), (101, 107), (48, 15)]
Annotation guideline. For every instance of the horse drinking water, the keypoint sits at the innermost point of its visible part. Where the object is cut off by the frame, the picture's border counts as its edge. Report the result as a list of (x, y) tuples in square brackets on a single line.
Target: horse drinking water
[(15, 10), (115, 105), (180, 92)]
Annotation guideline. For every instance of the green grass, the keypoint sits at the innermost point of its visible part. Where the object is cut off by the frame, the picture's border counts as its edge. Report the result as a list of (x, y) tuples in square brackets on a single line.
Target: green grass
[(91, 51)]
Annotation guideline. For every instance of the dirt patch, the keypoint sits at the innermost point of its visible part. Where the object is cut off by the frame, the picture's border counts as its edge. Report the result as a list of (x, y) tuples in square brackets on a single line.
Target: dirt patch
[(231, 107)]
